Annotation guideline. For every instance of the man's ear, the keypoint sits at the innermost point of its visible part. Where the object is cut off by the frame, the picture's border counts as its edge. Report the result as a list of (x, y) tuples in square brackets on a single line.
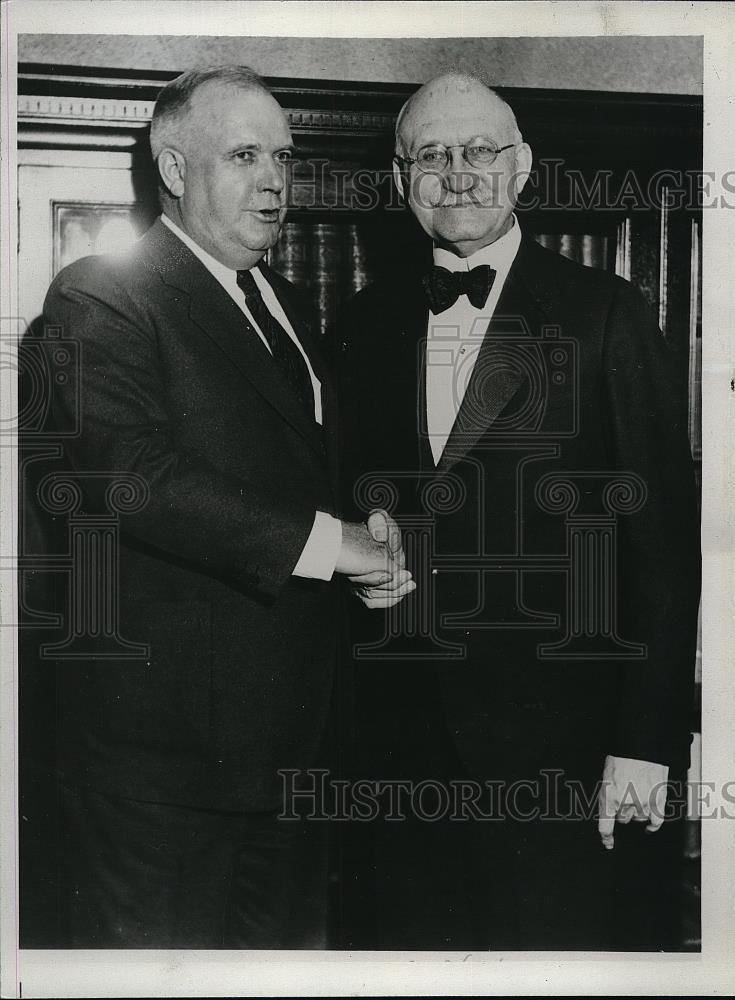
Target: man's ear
[(524, 162), (399, 179), (172, 168)]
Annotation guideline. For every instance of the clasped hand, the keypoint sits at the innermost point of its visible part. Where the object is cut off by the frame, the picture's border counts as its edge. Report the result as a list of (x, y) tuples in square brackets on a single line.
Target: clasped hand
[(372, 558)]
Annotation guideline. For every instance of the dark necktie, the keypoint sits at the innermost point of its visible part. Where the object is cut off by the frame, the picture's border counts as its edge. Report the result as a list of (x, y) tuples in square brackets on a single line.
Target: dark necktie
[(285, 352), (444, 287)]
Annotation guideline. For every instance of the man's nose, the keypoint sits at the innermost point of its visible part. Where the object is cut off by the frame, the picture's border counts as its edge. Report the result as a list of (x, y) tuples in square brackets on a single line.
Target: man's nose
[(273, 175), (458, 176)]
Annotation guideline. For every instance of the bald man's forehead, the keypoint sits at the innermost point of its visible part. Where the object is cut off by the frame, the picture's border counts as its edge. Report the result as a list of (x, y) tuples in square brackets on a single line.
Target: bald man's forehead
[(456, 125), (451, 105), (225, 113), (222, 98)]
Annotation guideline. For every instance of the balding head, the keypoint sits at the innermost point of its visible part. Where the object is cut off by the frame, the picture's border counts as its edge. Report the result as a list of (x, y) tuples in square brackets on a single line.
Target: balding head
[(462, 205), (454, 96), (174, 120)]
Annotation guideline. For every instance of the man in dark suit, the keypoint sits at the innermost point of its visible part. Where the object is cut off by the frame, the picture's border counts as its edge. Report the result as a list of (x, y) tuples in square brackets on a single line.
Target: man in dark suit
[(528, 418), (201, 387)]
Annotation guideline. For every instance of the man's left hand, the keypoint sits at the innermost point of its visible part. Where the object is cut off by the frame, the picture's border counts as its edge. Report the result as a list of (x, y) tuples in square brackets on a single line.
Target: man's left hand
[(631, 789)]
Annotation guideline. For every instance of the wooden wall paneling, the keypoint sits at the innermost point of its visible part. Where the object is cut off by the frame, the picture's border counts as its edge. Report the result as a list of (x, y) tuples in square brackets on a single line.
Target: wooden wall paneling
[(675, 277), (622, 249), (645, 247)]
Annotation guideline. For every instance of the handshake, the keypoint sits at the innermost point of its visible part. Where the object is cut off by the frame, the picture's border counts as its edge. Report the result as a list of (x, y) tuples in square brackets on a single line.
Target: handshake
[(372, 558)]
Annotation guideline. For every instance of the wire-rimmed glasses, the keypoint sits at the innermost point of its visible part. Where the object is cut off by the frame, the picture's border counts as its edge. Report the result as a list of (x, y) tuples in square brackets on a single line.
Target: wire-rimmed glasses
[(435, 157)]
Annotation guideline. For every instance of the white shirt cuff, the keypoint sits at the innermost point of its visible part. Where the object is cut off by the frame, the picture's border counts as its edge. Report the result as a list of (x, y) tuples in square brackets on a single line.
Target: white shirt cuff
[(319, 556)]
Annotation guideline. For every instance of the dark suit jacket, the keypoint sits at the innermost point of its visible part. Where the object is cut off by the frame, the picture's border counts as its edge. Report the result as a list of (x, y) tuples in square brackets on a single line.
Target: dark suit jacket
[(175, 388), (613, 401)]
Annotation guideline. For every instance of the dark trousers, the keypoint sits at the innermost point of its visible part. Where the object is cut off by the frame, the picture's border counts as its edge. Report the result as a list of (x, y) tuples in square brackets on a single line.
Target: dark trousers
[(151, 875), (518, 881), (508, 885)]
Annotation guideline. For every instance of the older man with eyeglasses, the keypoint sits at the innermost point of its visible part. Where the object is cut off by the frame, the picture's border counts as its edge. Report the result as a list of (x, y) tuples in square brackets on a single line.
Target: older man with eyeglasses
[(516, 380)]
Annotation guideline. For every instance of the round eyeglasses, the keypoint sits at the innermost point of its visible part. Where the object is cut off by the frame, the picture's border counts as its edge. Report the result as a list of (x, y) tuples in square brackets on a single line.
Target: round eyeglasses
[(435, 157)]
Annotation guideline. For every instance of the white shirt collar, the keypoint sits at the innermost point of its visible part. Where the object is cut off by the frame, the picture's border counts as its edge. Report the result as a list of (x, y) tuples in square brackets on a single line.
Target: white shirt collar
[(499, 255)]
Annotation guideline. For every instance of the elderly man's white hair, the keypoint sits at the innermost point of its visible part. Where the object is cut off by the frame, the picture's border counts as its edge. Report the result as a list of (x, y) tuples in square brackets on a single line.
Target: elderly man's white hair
[(462, 83)]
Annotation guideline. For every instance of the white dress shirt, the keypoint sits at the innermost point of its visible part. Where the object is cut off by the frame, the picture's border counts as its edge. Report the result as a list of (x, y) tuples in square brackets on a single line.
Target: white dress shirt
[(319, 556), (455, 335)]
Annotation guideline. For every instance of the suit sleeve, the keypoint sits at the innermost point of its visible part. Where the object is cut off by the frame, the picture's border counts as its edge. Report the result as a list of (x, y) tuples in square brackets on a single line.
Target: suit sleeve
[(224, 525), (659, 557)]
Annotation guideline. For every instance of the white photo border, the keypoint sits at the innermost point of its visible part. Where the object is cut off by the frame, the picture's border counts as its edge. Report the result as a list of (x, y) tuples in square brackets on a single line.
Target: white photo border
[(215, 973)]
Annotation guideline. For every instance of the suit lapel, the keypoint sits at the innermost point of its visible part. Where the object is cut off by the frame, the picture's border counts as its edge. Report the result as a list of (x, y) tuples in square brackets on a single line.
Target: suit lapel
[(409, 355), (497, 376), (217, 315)]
